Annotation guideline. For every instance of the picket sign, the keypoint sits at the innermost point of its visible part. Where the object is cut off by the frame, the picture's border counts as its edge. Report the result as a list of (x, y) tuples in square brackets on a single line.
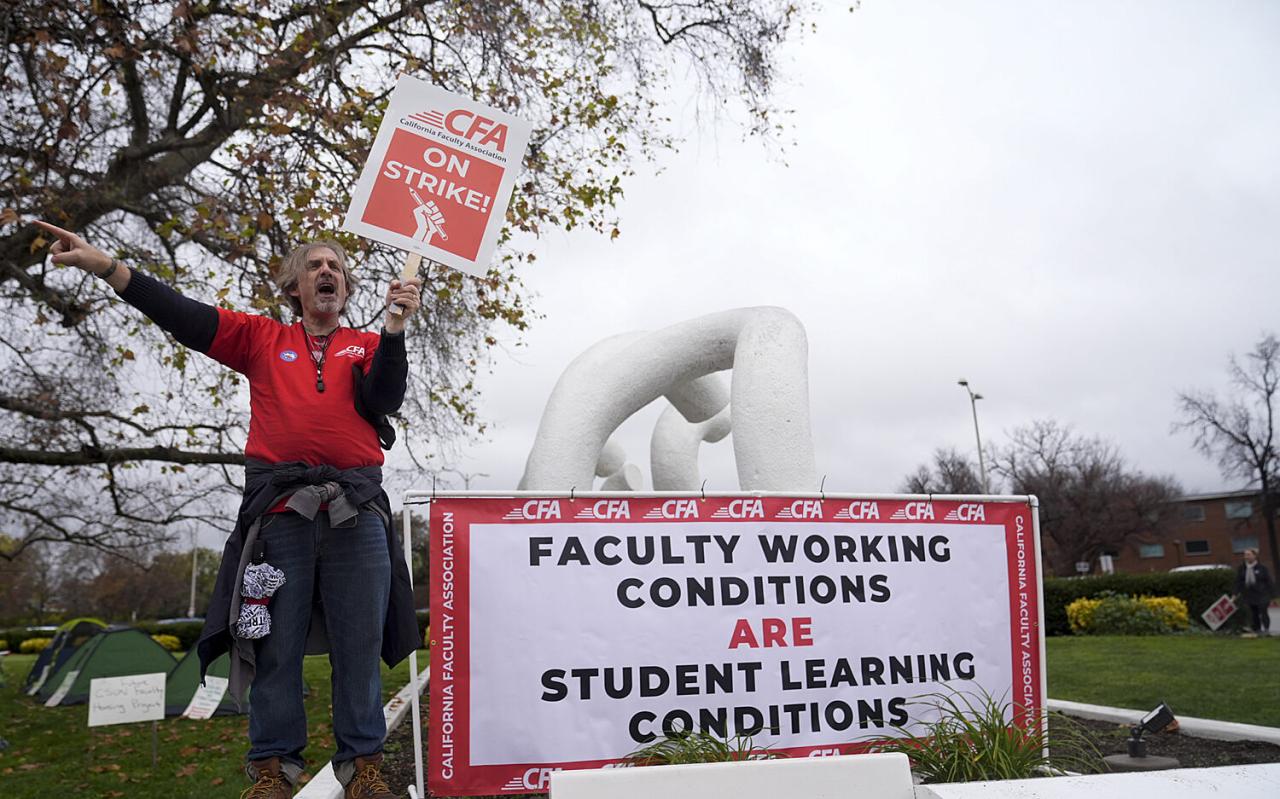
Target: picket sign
[(439, 177), (129, 699), (570, 629), (1219, 612)]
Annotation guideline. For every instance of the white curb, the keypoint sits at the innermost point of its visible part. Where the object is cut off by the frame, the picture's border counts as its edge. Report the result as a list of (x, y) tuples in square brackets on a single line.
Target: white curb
[(1261, 781), (1187, 725)]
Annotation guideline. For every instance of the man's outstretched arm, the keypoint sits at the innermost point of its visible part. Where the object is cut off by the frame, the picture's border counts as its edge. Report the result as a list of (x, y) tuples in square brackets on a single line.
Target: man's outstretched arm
[(192, 323)]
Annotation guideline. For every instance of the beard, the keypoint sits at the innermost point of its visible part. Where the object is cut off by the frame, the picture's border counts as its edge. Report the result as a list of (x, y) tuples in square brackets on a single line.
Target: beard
[(327, 303)]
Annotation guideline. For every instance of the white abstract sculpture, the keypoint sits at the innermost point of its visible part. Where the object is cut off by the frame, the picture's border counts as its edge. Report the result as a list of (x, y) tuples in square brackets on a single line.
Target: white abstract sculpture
[(768, 404), (673, 448)]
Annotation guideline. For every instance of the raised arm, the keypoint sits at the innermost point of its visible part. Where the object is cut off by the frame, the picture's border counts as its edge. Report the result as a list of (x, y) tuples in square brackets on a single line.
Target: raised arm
[(191, 322), (383, 391)]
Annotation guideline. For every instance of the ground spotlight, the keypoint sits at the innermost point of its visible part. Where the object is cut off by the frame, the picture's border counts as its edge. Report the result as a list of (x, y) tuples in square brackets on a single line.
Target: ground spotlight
[(1137, 758), (1155, 721)]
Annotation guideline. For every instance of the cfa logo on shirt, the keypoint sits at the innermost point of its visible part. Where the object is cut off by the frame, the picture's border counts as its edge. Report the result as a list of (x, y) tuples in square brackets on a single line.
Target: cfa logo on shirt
[(288, 356), (350, 352)]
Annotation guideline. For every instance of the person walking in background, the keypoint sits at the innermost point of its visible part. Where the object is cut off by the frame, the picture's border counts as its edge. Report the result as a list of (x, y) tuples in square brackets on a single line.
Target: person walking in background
[(1254, 585)]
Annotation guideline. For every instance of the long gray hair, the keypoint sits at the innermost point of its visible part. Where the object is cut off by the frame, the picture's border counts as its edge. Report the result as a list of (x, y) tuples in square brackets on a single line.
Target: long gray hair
[(293, 264)]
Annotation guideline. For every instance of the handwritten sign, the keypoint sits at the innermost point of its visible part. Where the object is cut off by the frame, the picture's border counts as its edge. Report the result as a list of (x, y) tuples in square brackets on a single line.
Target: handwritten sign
[(122, 700), (207, 698)]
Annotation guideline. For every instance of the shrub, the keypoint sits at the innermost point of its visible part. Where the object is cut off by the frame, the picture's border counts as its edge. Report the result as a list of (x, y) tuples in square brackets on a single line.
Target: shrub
[(1125, 615), (1080, 614), (1198, 590), (33, 646), (678, 747), (1170, 608), (187, 632), (169, 642), (16, 635), (971, 738)]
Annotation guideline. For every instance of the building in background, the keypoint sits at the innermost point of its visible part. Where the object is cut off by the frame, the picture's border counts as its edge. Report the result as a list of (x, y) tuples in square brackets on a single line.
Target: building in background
[(1209, 529)]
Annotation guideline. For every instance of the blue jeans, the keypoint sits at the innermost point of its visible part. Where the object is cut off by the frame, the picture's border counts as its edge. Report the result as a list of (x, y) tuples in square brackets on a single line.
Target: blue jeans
[(349, 570)]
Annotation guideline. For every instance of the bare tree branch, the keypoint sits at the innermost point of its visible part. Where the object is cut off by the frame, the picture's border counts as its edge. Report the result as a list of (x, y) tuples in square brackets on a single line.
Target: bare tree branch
[(1239, 432)]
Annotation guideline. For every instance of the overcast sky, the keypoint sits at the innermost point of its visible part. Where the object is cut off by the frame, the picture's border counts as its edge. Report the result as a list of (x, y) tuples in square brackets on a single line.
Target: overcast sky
[(1075, 206)]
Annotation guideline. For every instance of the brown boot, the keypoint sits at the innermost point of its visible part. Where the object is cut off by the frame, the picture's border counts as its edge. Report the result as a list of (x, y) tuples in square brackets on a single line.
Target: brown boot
[(270, 781), (367, 782)]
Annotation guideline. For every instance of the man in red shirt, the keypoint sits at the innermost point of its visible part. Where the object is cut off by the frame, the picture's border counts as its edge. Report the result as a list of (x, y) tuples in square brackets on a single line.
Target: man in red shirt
[(313, 504)]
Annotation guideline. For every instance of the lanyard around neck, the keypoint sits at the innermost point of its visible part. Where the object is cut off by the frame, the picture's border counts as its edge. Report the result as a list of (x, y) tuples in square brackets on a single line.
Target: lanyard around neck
[(321, 343)]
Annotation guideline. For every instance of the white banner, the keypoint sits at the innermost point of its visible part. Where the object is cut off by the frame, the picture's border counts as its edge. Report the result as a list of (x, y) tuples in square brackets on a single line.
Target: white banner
[(568, 633)]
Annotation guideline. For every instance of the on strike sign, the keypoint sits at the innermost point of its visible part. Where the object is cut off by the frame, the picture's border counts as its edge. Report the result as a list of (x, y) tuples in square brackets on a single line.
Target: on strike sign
[(567, 633), (439, 176)]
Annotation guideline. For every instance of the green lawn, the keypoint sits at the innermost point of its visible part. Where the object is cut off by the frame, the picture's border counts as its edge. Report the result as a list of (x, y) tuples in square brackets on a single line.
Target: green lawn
[(53, 753), (1206, 676)]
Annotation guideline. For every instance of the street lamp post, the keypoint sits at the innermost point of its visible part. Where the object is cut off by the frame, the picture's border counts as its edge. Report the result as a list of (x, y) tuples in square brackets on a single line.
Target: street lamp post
[(195, 551), (973, 404)]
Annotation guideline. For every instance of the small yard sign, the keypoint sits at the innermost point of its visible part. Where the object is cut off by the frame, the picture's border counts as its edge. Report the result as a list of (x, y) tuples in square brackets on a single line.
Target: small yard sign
[(123, 700), (207, 698)]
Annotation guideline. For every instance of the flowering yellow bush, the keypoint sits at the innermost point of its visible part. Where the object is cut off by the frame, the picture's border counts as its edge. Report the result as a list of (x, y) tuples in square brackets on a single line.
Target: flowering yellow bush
[(169, 642), (1080, 614), (1172, 609), (1126, 615), (33, 646)]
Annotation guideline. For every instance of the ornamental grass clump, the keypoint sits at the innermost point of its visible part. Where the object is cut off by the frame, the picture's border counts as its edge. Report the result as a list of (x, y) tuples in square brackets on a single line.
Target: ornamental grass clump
[(965, 737), (1118, 614), (680, 747)]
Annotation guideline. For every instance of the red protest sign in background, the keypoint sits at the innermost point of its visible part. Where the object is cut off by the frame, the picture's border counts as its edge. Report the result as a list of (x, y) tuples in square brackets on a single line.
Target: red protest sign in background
[(433, 193)]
